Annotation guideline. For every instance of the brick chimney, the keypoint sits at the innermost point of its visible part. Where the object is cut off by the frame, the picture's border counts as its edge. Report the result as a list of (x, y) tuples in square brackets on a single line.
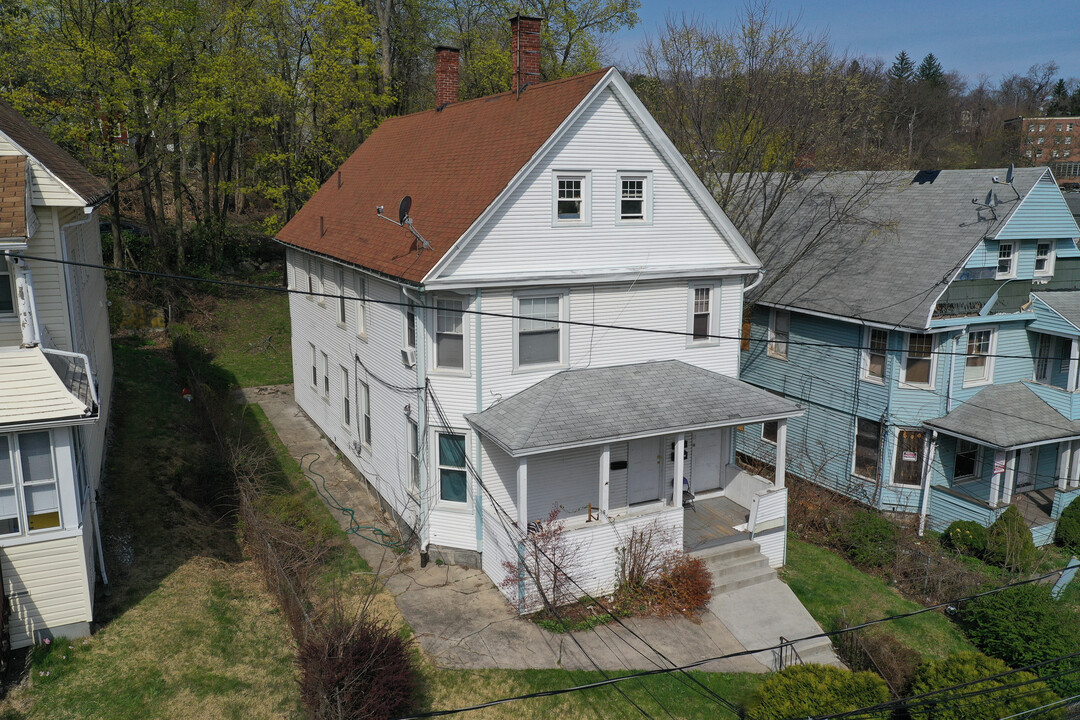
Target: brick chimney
[(446, 75), (524, 51)]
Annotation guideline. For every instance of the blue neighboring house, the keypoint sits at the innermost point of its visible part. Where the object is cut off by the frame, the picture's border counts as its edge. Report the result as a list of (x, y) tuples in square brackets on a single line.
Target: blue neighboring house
[(934, 340)]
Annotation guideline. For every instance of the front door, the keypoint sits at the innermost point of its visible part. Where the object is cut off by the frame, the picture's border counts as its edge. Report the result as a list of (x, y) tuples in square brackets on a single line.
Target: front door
[(910, 445), (643, 470), (706, 460), (1025, 469)]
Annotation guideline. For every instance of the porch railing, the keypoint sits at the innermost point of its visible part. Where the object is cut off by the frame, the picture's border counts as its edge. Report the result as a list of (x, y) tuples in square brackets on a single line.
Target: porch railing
[(785, 655)]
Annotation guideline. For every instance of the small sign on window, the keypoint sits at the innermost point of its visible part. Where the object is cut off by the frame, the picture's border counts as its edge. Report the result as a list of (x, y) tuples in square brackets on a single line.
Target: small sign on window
[(911, 456)]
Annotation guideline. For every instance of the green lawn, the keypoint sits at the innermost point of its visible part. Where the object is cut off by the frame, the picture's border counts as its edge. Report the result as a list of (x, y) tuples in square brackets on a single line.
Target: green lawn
[(825, 583), (251, 337)]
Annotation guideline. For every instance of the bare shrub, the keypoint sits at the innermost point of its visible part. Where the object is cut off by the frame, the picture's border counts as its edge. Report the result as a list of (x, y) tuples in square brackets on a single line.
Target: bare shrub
[(655, 579), (547, 562), (642, 557)]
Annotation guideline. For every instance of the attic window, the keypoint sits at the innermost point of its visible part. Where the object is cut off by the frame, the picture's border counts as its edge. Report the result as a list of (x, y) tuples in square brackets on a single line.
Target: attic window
[(570, 198), (1044, 258), (1006, 263)]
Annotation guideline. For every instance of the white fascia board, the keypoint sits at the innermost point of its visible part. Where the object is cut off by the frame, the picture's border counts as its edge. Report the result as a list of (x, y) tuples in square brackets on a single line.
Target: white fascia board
[(20, 148), (675, 160), (588, 277)]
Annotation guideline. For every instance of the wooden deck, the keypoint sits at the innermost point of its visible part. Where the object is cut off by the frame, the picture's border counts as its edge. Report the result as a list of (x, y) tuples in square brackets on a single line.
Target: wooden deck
[(1035, 506), (712, 522)]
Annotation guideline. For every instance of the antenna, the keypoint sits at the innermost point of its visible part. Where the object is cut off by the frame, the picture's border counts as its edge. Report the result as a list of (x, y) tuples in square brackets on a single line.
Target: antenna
[(1009, 179), (406, 222)]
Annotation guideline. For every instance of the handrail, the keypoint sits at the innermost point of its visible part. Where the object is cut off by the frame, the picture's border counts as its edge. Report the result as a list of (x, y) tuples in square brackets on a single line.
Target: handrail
[(86, 364)]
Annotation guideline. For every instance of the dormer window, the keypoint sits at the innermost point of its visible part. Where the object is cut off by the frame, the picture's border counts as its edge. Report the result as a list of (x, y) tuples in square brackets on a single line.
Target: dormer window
[(1044, 258), (570, 200), (1006, 264)]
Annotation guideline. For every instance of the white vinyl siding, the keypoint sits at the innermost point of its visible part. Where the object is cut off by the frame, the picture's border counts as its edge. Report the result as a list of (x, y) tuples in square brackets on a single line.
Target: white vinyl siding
[(47, 585)]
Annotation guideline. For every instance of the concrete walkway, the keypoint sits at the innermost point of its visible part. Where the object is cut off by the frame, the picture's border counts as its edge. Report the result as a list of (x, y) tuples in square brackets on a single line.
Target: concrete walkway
[(462, 621)]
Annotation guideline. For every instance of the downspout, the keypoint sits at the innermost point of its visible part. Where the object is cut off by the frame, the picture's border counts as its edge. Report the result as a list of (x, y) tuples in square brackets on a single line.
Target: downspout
[(926, 481), (97, 535), (24, 289), (67, 275), (421, 420), (952, 371), (757, 281), (479, 369)]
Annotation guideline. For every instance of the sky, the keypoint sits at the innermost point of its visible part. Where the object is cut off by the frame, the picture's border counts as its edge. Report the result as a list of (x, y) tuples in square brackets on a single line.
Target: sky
[(991, 37)]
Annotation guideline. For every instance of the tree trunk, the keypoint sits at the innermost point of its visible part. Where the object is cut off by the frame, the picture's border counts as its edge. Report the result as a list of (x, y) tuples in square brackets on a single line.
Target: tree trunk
[(384, 9), (178, 198), (145, 187), (114, 211), (204, 169)]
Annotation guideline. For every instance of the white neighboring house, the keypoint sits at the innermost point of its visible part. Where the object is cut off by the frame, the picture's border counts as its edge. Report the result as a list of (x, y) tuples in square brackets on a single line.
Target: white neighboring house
[(562, 203), (55, 384)]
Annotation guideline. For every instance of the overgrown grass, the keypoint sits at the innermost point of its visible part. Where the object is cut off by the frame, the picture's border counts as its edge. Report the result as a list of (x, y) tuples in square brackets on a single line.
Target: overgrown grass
[(190, 631), (251, 337), (457, 688), (826, 583)]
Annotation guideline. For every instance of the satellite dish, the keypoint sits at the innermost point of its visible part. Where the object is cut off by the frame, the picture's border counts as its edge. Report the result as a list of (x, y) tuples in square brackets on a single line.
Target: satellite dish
[(1009, 174), (403, 209), (991, 199)]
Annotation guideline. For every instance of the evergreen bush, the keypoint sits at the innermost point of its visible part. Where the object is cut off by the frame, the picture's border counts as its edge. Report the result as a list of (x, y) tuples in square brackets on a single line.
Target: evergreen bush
[(966, 537), (868, 539), (1009, 543), (1068, 528), (806, 690), (957, 704)]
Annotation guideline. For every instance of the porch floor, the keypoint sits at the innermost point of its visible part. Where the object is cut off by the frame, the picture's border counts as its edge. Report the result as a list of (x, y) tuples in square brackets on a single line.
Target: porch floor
[(712, 522), (1035, 506)]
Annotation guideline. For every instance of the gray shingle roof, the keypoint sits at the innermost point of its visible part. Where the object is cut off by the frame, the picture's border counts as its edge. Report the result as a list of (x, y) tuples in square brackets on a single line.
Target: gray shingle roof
[(901, 237), (1065, 303), (90, 188), (1007, 416), (597, 405)]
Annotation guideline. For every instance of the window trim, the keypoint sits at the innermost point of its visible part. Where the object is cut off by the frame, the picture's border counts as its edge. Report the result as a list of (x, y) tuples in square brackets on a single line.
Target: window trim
[(564, 330), (1051, 258), (933, 363), (855, 448), (1011, 273), (442, 503), (975, 476), (346, 402), (19, 484), (714, 314), (314, 367), (339, 280), (646, 201), (864, 374), (1046, 377), (988, 367), (363, 413), (450, 370), (586, 198), (770, 348), (7, 271)]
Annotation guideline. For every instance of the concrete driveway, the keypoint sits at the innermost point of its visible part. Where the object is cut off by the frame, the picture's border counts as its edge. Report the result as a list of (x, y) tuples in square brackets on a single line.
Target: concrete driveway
[(462, 621)]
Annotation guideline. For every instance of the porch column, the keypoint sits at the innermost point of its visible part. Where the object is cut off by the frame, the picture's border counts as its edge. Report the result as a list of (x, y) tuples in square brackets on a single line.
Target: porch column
[(680, 447), (1010, 477), (605, 477), (1074, 468), (781, 452), (1074, 363), (523, 494), (1064, 463), (995, 478)]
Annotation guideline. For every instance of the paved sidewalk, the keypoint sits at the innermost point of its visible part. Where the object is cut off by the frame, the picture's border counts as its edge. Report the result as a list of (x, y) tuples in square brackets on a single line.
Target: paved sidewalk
[(460, 618)]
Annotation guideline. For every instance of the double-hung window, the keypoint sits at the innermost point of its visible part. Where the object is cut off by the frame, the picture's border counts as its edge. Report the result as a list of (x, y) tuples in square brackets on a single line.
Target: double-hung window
[(452, 477), (449, 334), (701, 313), (570, 198), (539, 336), (877, 345), (359, 287), (867, 448), (314, 366), (1044, 258), (919, 360), (977, 366), (7, 283), (29, 498), (634, 200), (339, 280), (410, 325), (346, 405), (325, 376), (966, 463), (1006, 260), (413, 432), (779, 333), (363, 412)]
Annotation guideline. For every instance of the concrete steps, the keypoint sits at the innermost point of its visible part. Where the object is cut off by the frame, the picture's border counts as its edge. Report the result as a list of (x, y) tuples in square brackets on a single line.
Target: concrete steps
[(736, 565)]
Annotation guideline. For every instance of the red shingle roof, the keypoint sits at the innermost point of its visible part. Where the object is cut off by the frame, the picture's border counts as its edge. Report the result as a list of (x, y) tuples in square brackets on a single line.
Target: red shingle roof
[(12, 197), (453, 163)]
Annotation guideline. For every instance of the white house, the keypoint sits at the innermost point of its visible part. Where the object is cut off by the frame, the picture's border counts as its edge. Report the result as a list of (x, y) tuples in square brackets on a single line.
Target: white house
[(55, 383), (491, 365)]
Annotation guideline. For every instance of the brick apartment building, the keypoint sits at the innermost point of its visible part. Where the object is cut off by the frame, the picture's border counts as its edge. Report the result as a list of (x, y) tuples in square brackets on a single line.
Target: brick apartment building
[(1050, 141)]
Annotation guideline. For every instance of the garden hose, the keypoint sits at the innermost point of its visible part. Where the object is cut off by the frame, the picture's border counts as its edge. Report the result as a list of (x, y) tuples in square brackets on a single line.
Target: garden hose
[(380, 537)]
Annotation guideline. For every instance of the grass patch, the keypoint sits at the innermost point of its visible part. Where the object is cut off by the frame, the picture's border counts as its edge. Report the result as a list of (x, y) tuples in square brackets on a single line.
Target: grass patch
[(251, 337), (457, 688), (824, 582)]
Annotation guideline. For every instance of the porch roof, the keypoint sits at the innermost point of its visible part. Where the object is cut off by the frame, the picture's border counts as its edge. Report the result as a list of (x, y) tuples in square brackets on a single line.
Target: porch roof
[(1007, 417), (1064, 303), (35, 394), (578, 408)]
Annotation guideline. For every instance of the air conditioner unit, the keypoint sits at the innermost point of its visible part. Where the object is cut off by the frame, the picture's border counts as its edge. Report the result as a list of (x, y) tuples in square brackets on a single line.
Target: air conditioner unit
[(408, 356)]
